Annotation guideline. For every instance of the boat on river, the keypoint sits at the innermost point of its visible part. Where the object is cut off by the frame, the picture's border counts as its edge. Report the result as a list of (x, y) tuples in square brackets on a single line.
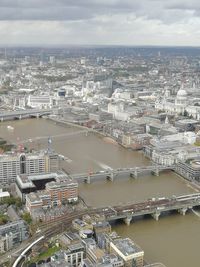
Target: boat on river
[(9, 127)]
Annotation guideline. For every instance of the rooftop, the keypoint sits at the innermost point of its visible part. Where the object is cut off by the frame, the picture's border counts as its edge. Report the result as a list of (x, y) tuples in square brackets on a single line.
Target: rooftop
[(127, 246), (186, 121), (60, 177), (74, 248)]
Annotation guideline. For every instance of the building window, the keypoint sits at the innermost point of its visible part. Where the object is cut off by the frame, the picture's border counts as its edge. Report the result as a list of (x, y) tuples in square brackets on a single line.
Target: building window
[(22, 164)]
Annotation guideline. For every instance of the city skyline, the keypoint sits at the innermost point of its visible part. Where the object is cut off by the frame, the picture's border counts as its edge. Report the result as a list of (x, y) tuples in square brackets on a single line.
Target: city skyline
[(94, 22), (124, 128)]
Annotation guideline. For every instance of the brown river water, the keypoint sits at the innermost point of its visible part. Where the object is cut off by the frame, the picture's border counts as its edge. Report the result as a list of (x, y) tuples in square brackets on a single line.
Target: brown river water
[(173, 240)]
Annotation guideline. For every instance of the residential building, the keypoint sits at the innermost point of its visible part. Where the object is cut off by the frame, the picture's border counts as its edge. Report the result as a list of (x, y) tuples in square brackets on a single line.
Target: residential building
[(58, 190), (62, 190)]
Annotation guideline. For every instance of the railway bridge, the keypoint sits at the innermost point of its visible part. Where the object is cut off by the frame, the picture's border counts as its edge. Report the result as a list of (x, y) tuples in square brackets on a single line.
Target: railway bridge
[(154, 207)]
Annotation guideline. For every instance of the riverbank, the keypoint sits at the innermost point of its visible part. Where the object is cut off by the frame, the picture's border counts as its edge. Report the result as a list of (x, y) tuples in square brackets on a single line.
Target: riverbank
[(92, 154), (64, 122), (108, 139), (192, 184)]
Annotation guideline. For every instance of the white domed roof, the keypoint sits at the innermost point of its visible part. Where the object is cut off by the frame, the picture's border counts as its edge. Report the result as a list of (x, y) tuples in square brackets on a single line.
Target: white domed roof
[(182, 92)]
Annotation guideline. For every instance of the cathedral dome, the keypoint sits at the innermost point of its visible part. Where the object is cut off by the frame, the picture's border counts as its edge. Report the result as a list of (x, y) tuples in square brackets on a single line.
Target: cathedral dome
[(182, 93), (181, 97)]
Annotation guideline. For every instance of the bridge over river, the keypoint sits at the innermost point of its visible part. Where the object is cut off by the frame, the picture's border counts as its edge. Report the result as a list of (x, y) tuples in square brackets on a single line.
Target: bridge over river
[(154, 207), (22, 114), (110, 174)]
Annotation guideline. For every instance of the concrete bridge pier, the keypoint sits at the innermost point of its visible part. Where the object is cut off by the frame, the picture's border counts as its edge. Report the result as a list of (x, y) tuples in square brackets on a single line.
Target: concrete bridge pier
[(156, 215), (20, 117), (182, 211), (2, 119), (88, 179), (134, 174), (110, 176), (128, 220), (37, 115), (156, 172)]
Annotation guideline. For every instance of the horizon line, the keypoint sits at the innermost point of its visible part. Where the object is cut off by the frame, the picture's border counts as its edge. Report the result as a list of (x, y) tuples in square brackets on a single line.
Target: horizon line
[(93, 46)]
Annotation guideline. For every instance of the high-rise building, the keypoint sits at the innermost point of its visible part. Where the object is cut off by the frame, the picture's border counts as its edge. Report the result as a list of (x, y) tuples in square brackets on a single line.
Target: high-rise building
[(12, 165), (52, 60), (12, 234)]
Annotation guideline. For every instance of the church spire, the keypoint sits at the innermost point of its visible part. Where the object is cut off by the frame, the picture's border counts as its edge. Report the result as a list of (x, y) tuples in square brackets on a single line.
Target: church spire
[(166, 120)]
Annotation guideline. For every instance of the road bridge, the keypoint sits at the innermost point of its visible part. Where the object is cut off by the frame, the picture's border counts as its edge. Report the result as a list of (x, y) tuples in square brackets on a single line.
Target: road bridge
[(110, 174), (22, 114)]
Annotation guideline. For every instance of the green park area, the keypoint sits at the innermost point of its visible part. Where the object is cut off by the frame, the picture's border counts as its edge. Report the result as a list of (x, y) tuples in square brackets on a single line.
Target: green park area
[(4, 146), (11, 201), (45, 255)]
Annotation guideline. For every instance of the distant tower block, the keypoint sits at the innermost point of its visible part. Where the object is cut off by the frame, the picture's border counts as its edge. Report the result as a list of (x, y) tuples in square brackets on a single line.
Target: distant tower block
[(5, 53), (49, 144)]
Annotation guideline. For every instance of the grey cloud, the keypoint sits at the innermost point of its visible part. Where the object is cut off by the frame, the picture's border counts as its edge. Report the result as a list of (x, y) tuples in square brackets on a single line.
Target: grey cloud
[(48, 13), (62, 9), (68, 10), (115, 29), (183, 4)]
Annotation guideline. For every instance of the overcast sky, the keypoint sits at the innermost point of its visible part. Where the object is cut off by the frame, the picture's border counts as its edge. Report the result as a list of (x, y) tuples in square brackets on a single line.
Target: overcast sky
[(87, 22)]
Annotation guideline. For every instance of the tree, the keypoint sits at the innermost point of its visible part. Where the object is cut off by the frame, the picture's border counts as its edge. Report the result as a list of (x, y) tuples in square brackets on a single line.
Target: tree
[(18, 202), (185, 113), (27, 217), (11, 201), (3, 219)]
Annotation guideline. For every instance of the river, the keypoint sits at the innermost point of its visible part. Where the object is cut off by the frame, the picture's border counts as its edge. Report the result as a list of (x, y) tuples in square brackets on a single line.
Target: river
[(173, 240)]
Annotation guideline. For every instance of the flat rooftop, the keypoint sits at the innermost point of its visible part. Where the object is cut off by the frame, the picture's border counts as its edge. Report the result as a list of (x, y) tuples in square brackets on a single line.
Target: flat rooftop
[(186, 121), (127, 246), (75, 247), (31, 181)]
